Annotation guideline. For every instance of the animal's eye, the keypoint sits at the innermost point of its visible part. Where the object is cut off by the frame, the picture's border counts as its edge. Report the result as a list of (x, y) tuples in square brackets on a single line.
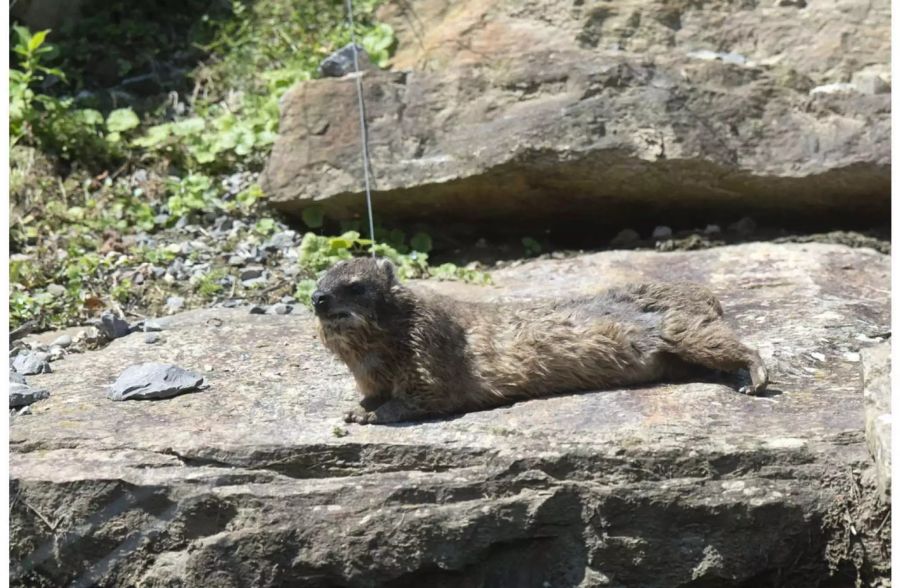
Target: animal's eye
[(356, 288)]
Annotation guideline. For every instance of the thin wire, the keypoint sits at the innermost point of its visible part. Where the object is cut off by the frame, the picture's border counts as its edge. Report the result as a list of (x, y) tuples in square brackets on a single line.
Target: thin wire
[(364, 134)]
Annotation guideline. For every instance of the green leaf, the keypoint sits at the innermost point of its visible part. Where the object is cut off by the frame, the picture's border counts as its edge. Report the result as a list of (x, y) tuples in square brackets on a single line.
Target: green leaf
[(91, 116), (156, 135), (188, 126), (37, 40), (122, 119), (313, 216)]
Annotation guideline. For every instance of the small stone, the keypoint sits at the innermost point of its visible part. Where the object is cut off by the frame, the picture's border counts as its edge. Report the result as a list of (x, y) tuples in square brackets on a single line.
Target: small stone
[(174, 303), (32, 362), (137, 279), (62, 341), (112, 326), (24, 395), (16, 377), (625, 237), (157, 272), (340, 63), (56, 290), (746, 226), (148, 381), (257, 309), (151, 338), (161, 219), (280, 308), (236, 261), (251, 273), (288, 300), (56, 353), (232, 302), (151, 326), (869, 83), (281, 240), (662, 232)]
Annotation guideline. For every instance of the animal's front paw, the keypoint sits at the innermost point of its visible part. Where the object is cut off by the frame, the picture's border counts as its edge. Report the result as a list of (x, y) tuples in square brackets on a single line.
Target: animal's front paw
[(360, 416)]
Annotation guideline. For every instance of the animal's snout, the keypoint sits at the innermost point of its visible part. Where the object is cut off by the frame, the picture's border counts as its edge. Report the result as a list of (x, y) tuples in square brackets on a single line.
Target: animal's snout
[(320, 300)]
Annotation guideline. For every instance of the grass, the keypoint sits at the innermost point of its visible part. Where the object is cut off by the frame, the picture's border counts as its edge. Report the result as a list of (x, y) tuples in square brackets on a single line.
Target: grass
[(100, 164)]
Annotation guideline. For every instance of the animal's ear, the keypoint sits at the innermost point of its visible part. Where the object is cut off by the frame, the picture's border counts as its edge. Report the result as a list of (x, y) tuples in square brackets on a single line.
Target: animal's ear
[(387, 267)]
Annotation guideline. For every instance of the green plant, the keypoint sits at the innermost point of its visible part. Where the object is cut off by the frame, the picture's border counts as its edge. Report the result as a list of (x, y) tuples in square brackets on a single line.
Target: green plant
[(54, 123), (532, 247), (191, 193)]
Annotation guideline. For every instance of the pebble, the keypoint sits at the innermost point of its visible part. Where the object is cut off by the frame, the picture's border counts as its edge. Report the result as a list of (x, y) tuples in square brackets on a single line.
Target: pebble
[(281, 308), (257, 309), (174, 303), (232, 302), (288, 300), (340, 63), (157, 272), (662, 232), (236, 260), (16, 377), (281, 240), (152, 326), (56, 353), (251, 273), (625, 237), (32, 362), (147, 381), (62, 341), (151, 338), (112, 326), (23, 395), (56, 290)]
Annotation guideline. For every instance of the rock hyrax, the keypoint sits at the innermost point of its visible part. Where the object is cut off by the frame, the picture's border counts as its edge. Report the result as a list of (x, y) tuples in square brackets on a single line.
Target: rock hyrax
[(416, 354)]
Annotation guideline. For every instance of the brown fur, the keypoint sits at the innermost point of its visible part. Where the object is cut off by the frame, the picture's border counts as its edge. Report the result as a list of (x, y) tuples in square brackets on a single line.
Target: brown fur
[(418, 354)]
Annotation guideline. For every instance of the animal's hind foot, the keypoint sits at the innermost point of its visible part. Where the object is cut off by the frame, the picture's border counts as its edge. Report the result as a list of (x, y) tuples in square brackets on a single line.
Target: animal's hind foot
[(759, 377)]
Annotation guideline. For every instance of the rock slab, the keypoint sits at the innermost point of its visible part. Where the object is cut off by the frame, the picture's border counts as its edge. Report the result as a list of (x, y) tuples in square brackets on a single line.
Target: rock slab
[(549, 113), (260, 483)]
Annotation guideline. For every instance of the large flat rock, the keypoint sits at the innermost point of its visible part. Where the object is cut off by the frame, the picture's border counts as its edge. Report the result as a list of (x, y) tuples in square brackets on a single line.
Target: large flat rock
[(256, 481), (550, 113)]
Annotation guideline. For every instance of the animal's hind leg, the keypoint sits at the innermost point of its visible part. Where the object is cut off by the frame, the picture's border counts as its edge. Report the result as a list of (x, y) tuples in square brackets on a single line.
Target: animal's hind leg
[(713, 345)]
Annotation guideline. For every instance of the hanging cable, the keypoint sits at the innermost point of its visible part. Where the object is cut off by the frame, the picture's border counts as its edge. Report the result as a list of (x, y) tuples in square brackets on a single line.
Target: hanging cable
[(363, 132)]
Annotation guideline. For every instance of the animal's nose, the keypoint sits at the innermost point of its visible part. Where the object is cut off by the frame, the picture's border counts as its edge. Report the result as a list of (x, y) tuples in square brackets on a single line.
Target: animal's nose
[(320, 299)]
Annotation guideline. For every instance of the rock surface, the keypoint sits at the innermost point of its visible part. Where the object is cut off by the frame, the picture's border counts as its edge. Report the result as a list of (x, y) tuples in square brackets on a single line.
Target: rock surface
[(259, 482), (876, 363), (559, 112)]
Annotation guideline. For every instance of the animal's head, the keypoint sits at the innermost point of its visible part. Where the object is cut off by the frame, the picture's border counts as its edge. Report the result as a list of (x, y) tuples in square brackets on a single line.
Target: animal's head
[(355, 293)]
